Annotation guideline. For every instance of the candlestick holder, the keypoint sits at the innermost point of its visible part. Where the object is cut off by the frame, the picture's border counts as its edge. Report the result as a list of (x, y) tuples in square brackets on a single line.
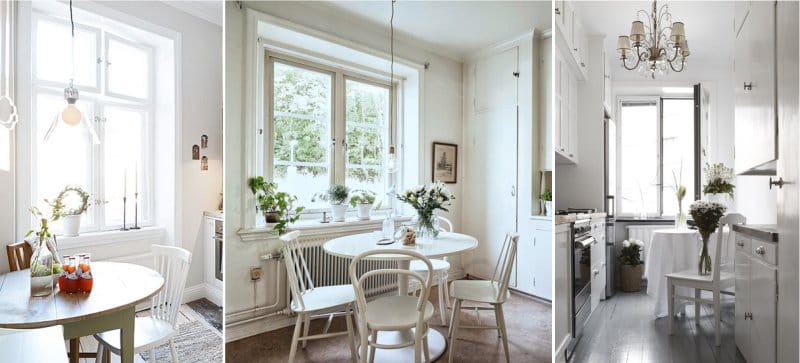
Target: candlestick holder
[(136, 211), (124, 208)]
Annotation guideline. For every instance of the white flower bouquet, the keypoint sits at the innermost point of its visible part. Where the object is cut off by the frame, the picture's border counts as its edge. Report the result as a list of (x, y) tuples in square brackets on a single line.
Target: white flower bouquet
[(706, 217), (426, 199)]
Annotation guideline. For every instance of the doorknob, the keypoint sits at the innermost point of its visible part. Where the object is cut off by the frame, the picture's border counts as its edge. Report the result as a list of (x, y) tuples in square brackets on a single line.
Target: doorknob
[(779, 183), (748, 86), (513, 190)]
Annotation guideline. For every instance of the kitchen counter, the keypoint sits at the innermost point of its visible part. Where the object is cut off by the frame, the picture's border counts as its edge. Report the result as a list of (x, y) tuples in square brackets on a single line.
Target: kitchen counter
[(216, 214), (763, 232), (563, 219)]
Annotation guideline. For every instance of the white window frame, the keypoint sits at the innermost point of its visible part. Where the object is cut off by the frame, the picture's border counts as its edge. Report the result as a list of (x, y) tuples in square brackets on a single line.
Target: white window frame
[(338, 116), (100, 98)]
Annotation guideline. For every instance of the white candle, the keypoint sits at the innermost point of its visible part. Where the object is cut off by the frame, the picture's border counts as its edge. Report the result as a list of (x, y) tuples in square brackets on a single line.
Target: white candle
[(125, 182)]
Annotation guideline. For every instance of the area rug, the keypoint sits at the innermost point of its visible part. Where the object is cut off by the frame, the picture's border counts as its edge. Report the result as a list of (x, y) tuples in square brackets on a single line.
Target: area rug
[(195, 342)]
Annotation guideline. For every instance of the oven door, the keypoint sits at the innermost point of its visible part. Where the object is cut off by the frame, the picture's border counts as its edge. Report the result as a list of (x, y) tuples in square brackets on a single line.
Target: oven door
[(581, 281)]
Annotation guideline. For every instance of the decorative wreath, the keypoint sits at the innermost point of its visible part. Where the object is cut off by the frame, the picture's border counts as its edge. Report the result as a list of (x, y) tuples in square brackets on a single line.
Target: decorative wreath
[(71, 193)]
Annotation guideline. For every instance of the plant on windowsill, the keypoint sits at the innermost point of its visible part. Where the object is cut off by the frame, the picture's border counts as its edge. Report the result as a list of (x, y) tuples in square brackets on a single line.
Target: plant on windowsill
[(547, 198), (337, 195), (278, 207), (363, 200), (69, 205), (718, 187), (631, 265)]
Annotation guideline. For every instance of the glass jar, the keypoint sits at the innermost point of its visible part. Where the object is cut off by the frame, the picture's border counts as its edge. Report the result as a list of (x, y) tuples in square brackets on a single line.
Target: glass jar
[(71, 283), (41, 269), (85, 281), (62, 275), (427, 226)]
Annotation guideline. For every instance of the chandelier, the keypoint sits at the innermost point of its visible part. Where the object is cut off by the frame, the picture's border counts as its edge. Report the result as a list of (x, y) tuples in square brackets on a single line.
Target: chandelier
[(654, 52)]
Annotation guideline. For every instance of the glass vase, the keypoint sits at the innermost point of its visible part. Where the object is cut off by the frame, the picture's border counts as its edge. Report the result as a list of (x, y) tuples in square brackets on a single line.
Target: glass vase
[(42, 269), (704, 263), (680, 221), (427, 226)]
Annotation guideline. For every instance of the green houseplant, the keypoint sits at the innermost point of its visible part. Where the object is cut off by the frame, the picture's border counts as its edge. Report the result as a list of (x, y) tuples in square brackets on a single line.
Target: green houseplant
[(718, 187), (630, 265), (42, 260), (277, 207), (69, 205), (363, 200), (337, 195)]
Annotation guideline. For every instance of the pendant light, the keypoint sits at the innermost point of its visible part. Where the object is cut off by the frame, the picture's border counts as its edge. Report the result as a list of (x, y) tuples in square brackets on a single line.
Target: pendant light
[(392, 162), (71, 115)]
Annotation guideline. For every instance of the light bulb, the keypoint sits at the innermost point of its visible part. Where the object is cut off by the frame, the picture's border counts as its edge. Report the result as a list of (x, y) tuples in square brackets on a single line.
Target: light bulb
[(71, 115)]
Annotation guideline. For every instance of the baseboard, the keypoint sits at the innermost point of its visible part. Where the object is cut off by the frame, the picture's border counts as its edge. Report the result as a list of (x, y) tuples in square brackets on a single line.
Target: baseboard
[(213, 294), (559, 356), (195, 292)]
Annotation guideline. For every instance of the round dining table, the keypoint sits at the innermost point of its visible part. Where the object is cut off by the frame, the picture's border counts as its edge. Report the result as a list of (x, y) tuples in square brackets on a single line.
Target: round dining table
[(117, 289), (448, 243)]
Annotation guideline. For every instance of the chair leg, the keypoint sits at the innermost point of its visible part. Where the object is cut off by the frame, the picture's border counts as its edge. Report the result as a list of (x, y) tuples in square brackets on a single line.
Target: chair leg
[(697, 306), (447, 289), (442, 306), (716, 319), (453, 317), (362, 354), (497, 321), (306, 325), (670, 304), (328, 324), (425, 349), (295, 337), (418, 343), (453, 330), (173, 351), (350, 335), (501, 319), (74, 350), (372, 347), (99, 353)]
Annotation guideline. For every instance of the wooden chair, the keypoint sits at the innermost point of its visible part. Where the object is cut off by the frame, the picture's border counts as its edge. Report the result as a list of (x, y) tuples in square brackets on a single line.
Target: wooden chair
[(158, 328), (441, 267), (308, 300), (393, 313), (715, 282), (493, 292), (19, 255)]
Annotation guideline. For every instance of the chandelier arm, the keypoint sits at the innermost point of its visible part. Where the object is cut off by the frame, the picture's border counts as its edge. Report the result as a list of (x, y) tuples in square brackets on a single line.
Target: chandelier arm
[(625, 65), (683, 65), (675, 55)]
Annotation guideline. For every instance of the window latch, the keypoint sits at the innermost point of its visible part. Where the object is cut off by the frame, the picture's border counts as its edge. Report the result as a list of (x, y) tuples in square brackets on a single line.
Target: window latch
[(98, 119)]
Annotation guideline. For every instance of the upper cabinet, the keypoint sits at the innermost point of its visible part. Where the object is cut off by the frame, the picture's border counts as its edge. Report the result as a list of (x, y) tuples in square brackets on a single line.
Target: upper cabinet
[(570, 38), (755, 95), (570, 68)]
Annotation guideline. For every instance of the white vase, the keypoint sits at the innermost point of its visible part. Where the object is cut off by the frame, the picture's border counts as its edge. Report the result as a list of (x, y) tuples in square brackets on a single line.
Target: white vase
[(548, 208), (71, 225), (364, 210), (338, 211)]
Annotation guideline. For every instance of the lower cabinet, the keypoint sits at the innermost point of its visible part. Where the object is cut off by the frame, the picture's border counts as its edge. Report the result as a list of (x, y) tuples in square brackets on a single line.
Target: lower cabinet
[(534, 266), (756, 300), (562, 245), (598, 270)]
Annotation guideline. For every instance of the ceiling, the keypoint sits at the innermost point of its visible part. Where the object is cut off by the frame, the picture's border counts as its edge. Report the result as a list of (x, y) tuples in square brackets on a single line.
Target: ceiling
[(709, 30), (208, 10), (452, 28)]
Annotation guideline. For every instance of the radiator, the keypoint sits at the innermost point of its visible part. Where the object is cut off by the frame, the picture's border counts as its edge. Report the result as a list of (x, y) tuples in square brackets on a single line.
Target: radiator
[(643, 233)]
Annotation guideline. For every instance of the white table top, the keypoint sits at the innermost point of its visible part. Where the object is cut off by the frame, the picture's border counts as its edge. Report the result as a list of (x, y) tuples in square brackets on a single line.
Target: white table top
[(448, 243)]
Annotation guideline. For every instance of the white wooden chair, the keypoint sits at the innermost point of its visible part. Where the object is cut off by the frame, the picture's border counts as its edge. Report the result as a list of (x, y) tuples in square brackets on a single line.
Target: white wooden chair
[(715, 282), (308, 300), (493, 292), (158, 328), (392, 313), (441, 267)]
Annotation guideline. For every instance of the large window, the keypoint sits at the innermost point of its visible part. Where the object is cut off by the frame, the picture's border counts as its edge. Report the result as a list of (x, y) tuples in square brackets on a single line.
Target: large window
[(115, 78), (328, 126), (656, 151)]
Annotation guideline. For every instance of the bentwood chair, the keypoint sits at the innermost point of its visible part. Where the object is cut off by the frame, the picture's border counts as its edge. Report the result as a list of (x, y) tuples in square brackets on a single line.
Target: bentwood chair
[(715, 282), (395, 312), (160, 327), (308, 300), (441, 267), (493, 292), (19, 255)]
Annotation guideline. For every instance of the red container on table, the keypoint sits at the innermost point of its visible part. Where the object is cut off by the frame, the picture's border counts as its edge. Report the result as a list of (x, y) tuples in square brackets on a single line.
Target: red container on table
[(85, 269), (71, 283), (62, 278)]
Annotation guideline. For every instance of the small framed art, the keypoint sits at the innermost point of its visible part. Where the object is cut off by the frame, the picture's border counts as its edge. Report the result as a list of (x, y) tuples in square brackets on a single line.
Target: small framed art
[(445, 162)]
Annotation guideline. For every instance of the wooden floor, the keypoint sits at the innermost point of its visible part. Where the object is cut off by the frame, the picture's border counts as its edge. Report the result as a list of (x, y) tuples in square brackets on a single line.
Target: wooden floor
[(624, 329), (185, 314), (528, 322)]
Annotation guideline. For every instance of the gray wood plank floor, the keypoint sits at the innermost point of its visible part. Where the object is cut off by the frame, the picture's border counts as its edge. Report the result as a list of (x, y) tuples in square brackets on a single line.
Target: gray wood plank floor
[(624, 329)]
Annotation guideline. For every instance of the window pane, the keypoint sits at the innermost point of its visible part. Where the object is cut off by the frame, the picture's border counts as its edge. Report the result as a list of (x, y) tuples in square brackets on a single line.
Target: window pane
[(65, 159), (124, 129), (302, 132), (678, 160), (367, 135), (53, 53), (638, 150), (129, 71)]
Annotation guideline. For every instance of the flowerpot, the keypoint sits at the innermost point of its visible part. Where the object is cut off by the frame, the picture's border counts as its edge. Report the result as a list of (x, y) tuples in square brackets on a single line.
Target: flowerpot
[(71, 225), (338, 211), (723, 199), (271, 217), (548, 208), (630, 278), (364, 211)]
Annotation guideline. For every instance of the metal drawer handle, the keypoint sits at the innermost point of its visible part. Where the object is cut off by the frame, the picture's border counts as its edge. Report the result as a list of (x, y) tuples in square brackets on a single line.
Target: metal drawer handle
[(596, 272), (748, 86), (760, 250), (779, 183), (558, 11)]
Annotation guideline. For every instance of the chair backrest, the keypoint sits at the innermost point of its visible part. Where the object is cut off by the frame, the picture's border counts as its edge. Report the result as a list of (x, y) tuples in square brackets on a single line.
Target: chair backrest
[(729, 219), (505, 263), (297, 272), (358, 282), (173, 264), (19, 255), (447, 222)]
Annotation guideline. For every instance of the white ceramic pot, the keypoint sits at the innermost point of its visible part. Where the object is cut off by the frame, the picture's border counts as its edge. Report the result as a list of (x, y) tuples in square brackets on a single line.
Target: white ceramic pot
[(364, 210), (723, 199), (338, 211), (548, 207), (71, 225)]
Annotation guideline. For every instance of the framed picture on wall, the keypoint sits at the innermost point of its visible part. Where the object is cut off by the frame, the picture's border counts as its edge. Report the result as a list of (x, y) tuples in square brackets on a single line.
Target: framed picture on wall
[(445, 162)]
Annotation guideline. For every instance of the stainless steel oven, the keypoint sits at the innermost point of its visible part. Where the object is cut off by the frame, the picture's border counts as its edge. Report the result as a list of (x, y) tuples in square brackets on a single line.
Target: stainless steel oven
[(580, 279), (218, 248)]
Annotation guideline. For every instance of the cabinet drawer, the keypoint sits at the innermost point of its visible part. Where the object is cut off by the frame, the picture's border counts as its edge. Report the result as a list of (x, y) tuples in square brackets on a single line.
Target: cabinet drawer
[(765, 251), (742, 244)]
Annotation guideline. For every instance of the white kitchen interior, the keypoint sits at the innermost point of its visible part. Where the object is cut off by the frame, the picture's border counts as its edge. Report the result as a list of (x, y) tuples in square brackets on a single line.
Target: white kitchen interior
[(364, 101), (102, 106), (657, 105)]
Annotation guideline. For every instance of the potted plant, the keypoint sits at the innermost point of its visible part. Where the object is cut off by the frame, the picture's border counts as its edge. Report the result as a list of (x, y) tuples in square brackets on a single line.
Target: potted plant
[(680, 193), (337, 195), (42, 260), (706, 217), (363, 200), (630, 265), (718, 187), (277, 207), (426, 199), (547, 198), (69, 205)]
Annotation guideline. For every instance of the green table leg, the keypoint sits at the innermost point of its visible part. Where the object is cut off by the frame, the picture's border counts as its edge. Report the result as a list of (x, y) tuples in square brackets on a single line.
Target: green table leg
[(122, 320)]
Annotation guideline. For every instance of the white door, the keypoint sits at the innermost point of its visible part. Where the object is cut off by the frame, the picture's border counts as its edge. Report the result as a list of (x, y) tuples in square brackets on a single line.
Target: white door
[(491, 160)]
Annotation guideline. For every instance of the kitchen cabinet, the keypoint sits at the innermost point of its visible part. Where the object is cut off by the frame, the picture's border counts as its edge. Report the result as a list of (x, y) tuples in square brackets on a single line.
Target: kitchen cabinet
[(598, 251), (534, 266), (213, 249), (562, 295), (755, 94), (565, 114), (755, 311)]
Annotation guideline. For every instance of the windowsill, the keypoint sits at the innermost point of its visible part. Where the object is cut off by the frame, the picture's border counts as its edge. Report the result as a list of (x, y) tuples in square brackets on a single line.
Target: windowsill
[(111, 237), (311, 227)]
